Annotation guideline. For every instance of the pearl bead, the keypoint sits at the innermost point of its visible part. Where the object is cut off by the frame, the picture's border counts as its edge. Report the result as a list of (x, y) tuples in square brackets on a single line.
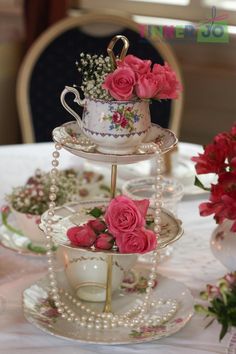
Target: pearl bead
[(58, 146), (53, 189), (52, 196), (54, 171), (55, 154), (55, 163)]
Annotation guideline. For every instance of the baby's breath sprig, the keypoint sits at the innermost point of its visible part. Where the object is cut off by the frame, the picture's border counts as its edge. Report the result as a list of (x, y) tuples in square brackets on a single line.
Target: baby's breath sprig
[(94, 69)]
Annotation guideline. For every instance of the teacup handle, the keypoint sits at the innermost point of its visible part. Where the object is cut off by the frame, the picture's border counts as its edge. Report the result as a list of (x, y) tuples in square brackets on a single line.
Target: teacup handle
[(5, 213), (77, 99)]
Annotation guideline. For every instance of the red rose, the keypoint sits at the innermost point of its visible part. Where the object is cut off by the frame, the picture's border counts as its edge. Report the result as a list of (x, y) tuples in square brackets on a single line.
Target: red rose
[(104, 242), (120, 83), (139, 66), (82, 236), (137, 241), (97, 225), (125, 215)]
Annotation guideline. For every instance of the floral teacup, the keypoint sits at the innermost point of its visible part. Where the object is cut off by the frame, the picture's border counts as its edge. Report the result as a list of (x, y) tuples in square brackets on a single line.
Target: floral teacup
[(86, 271), (29, 226), (116, 127)]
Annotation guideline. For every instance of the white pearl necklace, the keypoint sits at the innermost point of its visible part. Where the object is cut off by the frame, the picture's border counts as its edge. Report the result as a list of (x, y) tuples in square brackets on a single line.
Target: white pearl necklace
[(135, 317)]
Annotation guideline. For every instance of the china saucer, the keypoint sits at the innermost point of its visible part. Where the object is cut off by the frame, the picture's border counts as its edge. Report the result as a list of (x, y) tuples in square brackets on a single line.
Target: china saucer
[(83, 147), (73, 214), (40, 310)]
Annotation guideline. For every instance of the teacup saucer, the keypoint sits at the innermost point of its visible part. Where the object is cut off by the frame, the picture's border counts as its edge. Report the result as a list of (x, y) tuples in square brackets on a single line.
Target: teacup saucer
[(40, 310), (85, 148)]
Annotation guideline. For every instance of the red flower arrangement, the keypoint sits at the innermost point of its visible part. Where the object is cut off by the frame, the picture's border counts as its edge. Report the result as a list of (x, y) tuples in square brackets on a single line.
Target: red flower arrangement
[(122, 225), (219, 157)]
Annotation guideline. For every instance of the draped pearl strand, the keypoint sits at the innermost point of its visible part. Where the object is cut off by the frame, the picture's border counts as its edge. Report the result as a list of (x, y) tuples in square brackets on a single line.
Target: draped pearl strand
[(87, 317)]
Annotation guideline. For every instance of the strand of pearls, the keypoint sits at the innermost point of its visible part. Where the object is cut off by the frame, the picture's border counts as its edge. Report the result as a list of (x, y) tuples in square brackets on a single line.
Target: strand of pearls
[(86, 317)]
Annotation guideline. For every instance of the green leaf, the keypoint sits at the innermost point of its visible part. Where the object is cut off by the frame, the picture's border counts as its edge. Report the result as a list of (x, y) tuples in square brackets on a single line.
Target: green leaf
[(199, 184), (224, 330), (95, 212), (149, 222), (36, 249), (105, 188)]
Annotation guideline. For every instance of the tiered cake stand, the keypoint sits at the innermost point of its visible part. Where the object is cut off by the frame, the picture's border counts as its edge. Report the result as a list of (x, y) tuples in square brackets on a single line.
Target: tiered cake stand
[(152, 308)]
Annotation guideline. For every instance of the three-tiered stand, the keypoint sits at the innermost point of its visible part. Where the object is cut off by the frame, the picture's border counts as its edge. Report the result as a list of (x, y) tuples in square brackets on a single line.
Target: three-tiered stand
[(161, 308)]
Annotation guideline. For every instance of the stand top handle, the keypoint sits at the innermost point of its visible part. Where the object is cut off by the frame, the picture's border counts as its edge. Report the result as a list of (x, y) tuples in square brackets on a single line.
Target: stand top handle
[(123, 51)]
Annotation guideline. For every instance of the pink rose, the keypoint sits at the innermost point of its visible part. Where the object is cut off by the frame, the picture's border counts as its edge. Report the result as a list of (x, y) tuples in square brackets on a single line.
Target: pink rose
[(125, 215), (138, 241), (170, 86), (104, 242), (120, 83), (139, 66), (149, 85), (97, 225), (82, 236)]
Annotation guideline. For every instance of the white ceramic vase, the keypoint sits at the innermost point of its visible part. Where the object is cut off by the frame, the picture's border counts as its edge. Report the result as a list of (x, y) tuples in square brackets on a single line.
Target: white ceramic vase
[(223, 244)]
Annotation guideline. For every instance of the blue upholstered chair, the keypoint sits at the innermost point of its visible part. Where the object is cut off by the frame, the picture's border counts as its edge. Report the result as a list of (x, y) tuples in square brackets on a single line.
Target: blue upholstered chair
[(49, 66)]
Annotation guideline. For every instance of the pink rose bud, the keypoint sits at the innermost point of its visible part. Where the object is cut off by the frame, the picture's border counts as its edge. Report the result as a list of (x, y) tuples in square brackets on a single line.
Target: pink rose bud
[(138, 241), (97, 225), (5, 209), (82, 236), (104, 242)]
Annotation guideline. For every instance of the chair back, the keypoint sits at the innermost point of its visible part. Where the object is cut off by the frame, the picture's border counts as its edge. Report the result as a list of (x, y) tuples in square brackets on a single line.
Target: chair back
[(50, 65)]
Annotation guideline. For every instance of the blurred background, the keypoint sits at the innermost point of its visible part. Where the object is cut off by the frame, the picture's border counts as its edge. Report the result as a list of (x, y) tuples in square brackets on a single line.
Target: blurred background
[(208, 68)]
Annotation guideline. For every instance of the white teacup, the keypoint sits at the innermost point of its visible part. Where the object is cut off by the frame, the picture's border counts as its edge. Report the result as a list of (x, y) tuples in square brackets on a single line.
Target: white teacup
[(86, 271), (28, 224), (116, 127)]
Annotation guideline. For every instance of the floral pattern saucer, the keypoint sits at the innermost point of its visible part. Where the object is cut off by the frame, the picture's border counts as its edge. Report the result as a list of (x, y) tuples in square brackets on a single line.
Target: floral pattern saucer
[(40, 310), (72, 214), (83, 147)]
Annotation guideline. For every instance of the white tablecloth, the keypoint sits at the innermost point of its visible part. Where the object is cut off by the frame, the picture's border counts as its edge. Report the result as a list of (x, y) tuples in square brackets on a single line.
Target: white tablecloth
[(191, 263)]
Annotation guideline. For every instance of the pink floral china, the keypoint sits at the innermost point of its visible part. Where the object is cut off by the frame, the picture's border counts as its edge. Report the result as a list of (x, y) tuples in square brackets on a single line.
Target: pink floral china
[(40, 310), (116, 127)]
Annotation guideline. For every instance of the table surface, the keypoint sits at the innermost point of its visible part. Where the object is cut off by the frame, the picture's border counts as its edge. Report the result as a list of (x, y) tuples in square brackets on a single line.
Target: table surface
[(191, 263)]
